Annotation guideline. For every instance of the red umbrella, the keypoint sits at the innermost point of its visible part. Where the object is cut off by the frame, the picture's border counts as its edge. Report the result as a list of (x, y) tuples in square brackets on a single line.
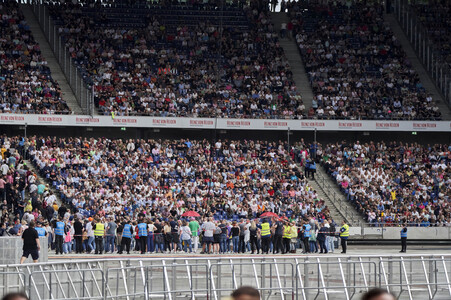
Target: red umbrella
[(268, 214), (190, 213)]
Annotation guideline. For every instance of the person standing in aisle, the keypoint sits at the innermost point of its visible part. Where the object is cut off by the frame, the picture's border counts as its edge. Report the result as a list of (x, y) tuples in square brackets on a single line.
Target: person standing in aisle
[(403, 238), (344, 234), (99, 234), (142, 233)]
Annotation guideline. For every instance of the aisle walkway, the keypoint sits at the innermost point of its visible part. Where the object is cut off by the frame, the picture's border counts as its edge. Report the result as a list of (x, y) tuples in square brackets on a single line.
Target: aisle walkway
[(295, 60), (47, 53)]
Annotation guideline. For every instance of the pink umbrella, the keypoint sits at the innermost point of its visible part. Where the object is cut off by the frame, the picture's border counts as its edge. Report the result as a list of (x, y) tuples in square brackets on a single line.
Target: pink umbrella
[(268, 214), (190, 213)]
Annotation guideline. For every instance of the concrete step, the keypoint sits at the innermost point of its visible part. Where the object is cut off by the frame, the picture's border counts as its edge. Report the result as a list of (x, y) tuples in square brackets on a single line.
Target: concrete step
[(33, 168), (295, 60), (47, 53), (336, 198), (335, 214), (425, 79)]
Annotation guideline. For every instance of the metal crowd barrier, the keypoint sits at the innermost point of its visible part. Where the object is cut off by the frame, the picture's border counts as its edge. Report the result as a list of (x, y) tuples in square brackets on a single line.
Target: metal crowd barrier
[(277, 277)]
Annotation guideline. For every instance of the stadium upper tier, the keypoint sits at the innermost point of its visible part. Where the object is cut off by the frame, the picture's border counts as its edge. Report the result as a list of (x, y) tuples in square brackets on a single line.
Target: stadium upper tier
[(436, 19), (172, 61), (356, 66), (392, 182), (26, 85)]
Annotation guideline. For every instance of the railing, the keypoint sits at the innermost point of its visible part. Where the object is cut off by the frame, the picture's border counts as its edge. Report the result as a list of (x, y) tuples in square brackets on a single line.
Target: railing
[(83, 93), (281, 277), (341, 205), (418, 36)]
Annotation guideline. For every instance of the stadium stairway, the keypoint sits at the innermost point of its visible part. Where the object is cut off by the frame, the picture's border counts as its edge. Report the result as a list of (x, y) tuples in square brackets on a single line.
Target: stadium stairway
[(48, 54), (33, 169), (334, 212), (295, 60), (425, 79), (340, 208), (338, 211)]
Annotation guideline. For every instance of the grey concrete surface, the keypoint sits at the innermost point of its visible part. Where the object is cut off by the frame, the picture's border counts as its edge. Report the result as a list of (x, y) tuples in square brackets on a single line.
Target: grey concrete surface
[(295, 60)]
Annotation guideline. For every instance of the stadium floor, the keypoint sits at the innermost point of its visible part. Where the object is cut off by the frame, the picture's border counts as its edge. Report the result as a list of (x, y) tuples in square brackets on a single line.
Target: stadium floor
[(352, 251)]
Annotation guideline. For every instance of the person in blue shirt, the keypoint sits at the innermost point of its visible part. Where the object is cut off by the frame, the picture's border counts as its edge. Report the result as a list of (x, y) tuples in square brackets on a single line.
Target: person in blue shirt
[(142, 234), (306, 235), (127, 235), (307, 168), (404, 238), (59, 231), (41, 231), (312, 169)]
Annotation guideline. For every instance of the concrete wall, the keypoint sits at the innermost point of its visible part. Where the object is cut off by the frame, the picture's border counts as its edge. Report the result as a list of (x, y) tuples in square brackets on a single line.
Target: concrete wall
[(393, 233), (11, 250)]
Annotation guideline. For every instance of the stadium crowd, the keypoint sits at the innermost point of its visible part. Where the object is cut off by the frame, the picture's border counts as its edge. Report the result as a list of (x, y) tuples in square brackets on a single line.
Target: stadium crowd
[(357, 67), (231, 182), (437, 21), (167, 68), (26, 85), (393, 183)]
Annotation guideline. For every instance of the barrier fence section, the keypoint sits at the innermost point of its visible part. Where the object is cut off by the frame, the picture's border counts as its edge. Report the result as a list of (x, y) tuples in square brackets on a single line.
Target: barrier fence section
[(276, 277)]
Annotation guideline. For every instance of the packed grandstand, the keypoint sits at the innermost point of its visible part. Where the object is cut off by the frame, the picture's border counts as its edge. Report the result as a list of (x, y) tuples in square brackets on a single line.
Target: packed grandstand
[(228, 181), (219, 59), (160, 58)]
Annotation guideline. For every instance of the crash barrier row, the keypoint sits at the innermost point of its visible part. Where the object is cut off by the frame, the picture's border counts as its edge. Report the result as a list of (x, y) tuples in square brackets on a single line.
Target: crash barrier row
[(293, 277)]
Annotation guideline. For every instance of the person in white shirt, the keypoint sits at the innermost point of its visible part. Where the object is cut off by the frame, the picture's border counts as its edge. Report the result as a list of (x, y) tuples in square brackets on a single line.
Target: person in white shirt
[(90, 235)]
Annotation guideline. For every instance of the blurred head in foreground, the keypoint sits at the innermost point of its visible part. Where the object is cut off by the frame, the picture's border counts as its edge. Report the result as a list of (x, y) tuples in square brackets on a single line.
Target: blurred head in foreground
[(378, 294), (15, 296), (246, 293)]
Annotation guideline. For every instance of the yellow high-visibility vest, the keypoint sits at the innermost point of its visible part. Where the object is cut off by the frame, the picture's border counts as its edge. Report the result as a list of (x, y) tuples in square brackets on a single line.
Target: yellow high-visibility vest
[(100, 229), (345, 233), (265, 229), (287, 232)]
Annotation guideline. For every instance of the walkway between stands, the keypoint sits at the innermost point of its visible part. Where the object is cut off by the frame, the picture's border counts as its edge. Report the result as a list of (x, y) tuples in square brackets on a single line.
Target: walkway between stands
[(338, 200), (297, 66), (418, 66), (47, 52)]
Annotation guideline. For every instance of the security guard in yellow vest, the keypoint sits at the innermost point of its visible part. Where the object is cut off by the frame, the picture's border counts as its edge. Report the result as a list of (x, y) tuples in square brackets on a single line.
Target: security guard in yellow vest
[(266, 235), (286, 237), (99, 233), (344, 234)]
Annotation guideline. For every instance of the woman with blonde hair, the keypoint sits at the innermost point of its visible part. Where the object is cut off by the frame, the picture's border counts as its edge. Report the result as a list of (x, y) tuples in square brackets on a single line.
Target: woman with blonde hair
[(254, 232)]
